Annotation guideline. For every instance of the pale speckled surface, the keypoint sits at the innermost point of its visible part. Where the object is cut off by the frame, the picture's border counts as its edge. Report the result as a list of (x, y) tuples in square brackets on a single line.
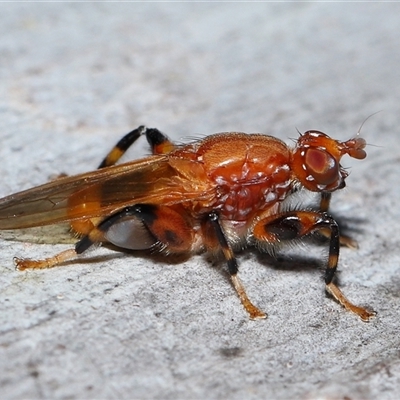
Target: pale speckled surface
[(74, 77)]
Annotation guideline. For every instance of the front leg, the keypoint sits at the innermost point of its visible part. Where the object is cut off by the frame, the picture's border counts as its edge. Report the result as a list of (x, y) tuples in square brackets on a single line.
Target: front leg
[(295, 224), (324, 207)]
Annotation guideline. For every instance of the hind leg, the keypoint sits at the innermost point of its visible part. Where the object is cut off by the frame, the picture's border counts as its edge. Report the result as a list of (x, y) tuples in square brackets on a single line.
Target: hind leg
[(137, 227)]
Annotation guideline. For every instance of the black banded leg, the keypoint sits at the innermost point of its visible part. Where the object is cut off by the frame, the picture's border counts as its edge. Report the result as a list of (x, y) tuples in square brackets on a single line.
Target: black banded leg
[(160, 144), (325, 201), (122, 146), (141, 227), (141, 213), (295, 224), (324, 206), (137, 227), (253, 311), (96, 235)]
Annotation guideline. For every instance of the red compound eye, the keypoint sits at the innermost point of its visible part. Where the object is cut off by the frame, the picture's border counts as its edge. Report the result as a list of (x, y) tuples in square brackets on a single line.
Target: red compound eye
[(321, 166)]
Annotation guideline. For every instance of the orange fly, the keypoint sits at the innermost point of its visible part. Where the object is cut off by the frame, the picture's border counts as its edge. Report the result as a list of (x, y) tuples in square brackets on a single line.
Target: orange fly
[(217, 195)]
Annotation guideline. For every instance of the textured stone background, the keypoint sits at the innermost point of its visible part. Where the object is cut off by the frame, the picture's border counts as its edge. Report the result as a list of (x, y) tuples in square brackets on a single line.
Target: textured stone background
[(75, 77)]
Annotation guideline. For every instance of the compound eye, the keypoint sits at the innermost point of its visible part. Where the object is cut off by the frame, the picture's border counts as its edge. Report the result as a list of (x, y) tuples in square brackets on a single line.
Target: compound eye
[(322, 166)]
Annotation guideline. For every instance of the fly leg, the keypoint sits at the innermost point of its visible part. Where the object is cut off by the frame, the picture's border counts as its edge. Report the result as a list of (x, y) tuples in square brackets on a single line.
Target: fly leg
[(26, 263), (137, 227), (94, 236), (160, 144), (324, 206), (292, 225), (217, 232), (145, 226)]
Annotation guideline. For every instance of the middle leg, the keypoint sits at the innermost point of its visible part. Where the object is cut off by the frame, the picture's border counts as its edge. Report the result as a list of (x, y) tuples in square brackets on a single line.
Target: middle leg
[(212, 230)]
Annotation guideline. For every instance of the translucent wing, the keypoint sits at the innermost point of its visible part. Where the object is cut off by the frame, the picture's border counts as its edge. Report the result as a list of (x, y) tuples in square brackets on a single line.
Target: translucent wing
[(50, 234), (98, 193)]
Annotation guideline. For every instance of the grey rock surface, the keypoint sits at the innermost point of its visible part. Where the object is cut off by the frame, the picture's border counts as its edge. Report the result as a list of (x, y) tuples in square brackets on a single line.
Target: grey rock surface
[(75, 77)]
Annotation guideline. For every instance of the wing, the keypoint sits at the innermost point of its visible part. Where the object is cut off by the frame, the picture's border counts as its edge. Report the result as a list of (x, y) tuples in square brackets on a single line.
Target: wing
[(99, 193), (49, 234)]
